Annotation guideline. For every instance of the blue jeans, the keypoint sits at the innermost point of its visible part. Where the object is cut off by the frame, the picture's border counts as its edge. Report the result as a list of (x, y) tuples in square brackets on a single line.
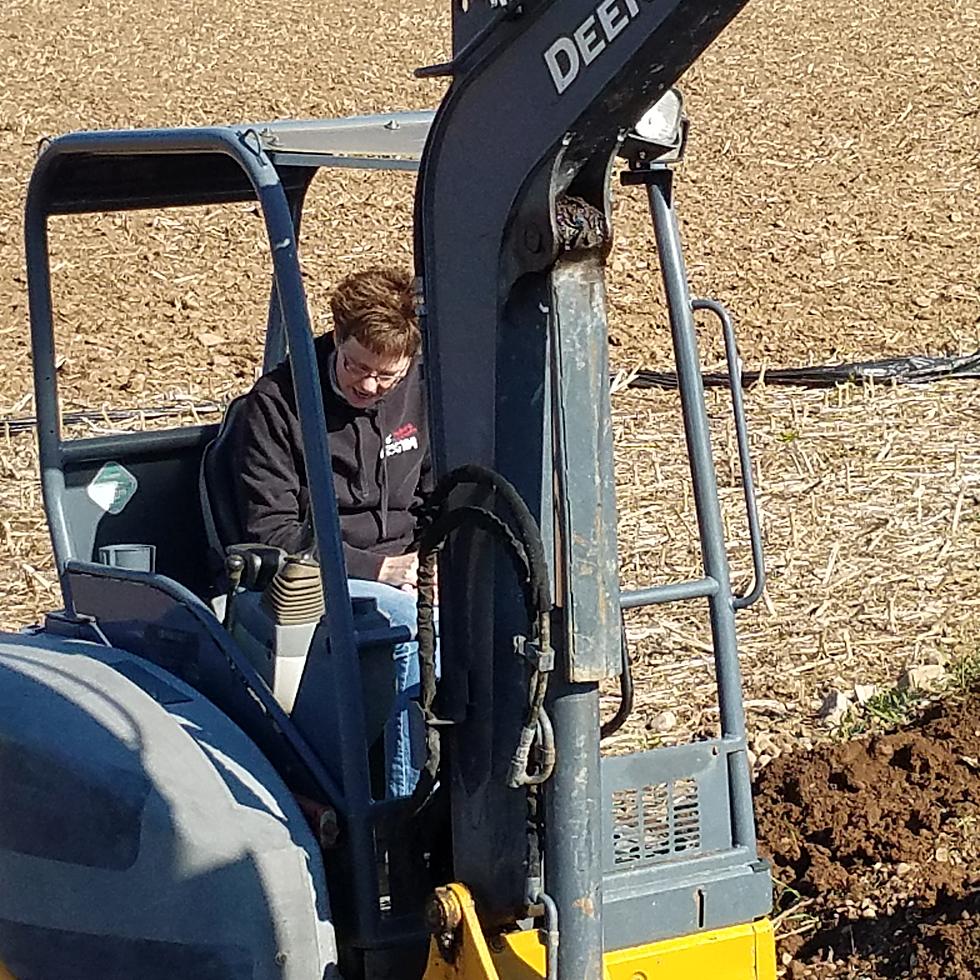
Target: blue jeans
[(404, 736)]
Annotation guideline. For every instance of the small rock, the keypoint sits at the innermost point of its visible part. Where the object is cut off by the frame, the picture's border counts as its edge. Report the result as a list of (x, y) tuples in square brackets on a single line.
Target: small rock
[(787, 958), (835, 706), (207, 338), (764, 745), (942, 855), (924, 677), (863, 693), (902, 868), (869, 913), (664, 722)]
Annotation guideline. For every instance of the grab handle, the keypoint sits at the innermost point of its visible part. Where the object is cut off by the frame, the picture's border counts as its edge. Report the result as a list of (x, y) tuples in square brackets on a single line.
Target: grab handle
[(742, 439)]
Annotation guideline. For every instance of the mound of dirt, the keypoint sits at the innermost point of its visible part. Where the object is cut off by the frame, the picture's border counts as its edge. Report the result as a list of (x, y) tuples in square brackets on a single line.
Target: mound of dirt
[(874, 847)]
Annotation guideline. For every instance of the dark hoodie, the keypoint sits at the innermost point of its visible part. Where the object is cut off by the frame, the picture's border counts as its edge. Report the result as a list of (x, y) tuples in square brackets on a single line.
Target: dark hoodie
[(380, 459)]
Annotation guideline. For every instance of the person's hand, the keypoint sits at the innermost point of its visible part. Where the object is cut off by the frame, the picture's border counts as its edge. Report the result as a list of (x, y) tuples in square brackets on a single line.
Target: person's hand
[(401, 571)]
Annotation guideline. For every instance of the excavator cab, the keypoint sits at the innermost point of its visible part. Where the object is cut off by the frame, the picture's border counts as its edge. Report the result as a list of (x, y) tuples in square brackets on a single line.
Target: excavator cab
[(216, 774)]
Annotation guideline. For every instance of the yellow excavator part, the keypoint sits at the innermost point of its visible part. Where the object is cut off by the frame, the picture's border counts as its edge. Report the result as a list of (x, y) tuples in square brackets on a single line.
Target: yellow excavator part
[(458, 947), (462, 952)]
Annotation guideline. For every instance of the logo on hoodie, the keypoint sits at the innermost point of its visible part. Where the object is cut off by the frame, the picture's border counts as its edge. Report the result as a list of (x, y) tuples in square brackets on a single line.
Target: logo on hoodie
[(403, 440)]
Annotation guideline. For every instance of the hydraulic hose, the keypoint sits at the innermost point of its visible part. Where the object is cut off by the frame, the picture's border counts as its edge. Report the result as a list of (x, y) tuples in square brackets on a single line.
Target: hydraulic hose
[(625, 708), (526, 529), (427, 682), (526, 552)]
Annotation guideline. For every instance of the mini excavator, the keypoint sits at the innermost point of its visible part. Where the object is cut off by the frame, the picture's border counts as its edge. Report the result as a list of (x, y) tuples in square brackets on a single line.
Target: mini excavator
[(188, 795)]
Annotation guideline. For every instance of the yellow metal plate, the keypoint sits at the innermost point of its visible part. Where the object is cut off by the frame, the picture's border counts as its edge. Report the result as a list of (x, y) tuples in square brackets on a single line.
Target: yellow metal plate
[(744, 952)]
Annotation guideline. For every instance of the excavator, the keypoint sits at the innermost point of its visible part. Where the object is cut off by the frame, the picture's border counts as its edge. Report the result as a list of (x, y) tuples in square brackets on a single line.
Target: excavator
[(188, 766)]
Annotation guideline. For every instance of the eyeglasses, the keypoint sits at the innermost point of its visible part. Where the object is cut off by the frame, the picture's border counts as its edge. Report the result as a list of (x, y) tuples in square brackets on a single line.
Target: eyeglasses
[(362, 373)]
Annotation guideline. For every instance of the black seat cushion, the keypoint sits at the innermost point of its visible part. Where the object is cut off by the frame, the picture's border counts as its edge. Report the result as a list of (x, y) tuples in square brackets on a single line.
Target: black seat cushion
[(219, 484)]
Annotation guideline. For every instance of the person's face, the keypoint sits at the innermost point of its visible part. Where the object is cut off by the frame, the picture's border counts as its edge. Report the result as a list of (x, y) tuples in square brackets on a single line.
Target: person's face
[(365, 377)]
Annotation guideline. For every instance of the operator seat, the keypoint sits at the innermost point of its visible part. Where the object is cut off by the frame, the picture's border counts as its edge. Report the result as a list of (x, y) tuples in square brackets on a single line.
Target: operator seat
[(217, 483), (278, 648), (218, 480)]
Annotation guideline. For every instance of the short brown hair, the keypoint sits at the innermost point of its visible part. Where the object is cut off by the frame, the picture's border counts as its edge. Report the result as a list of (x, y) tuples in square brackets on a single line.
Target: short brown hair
[(377, 308)]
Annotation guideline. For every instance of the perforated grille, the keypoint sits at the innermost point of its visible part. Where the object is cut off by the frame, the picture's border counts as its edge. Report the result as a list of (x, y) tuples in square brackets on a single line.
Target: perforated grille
[(656, 822)]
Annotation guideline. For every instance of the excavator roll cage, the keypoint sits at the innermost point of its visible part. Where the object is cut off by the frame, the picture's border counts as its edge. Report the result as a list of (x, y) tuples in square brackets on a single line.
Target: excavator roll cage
[(160, 610)]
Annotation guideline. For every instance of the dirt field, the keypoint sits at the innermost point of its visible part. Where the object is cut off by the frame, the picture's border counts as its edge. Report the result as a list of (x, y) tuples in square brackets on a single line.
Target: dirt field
[(831, 198), (878, 838)]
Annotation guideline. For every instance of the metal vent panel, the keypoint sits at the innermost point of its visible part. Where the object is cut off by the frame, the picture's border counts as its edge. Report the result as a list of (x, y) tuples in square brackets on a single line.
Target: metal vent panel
[(655, 822), (665, 806)]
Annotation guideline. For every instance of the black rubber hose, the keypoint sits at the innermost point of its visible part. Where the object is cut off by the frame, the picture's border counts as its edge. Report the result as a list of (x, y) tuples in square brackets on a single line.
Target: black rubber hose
[(527, 529), (526, 552), (425, 629), (625, 708), (435, 536), (426, 634)]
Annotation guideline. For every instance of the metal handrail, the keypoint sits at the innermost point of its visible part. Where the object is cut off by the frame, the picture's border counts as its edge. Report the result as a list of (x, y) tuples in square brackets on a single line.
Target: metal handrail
[(744, 458), (674, 592)]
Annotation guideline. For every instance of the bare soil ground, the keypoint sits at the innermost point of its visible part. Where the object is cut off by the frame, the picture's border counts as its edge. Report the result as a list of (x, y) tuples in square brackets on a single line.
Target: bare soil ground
[(875, 839), (830, 198)]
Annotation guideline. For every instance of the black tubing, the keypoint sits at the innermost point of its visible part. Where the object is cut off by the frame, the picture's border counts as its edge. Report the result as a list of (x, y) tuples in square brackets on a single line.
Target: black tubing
[(625, 708), (527, 529)]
